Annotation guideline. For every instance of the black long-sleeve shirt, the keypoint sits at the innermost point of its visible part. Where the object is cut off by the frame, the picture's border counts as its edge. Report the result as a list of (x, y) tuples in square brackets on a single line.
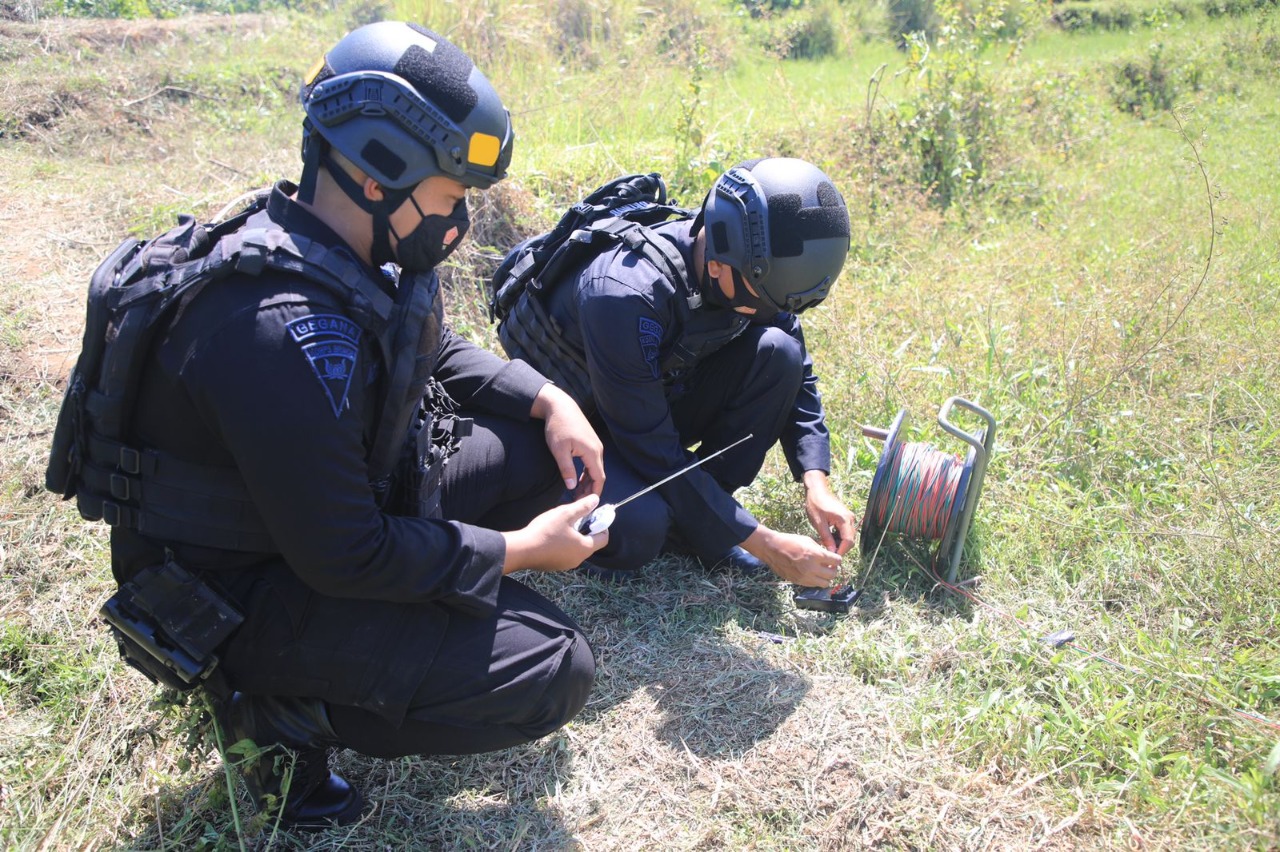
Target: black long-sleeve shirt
[(251, 375), (610, 300)]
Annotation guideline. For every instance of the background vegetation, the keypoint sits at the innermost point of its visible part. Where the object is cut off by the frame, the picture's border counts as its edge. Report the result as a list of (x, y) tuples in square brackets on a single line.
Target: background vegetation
[(1067, 214)]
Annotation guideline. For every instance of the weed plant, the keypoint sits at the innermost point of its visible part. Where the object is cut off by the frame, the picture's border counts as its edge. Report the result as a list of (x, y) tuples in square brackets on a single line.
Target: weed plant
[(1106, 281)]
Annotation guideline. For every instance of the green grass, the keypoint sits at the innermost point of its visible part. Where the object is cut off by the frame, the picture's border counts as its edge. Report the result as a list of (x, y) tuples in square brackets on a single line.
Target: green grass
[(1081, 289)]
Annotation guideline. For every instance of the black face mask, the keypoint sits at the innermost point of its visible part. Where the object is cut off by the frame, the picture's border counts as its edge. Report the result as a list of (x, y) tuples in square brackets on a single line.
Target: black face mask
[(434, 239), (712, 295), (742, 298)]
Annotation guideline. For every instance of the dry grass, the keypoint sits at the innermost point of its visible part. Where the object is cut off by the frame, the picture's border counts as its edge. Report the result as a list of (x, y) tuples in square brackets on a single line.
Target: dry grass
[(1133, 499)]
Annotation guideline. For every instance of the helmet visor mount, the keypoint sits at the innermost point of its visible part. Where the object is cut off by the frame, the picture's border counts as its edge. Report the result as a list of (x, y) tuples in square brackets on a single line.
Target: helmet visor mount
[(477, 161), (737, 189)]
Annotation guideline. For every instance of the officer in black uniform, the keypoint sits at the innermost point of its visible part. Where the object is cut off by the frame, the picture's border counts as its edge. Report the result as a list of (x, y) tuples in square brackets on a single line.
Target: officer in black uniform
[(707, 356), (374, 618)]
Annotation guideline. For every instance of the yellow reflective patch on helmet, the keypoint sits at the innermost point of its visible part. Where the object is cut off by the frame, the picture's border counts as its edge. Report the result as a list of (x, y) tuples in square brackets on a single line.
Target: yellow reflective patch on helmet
[(484, 149), (315, 71)]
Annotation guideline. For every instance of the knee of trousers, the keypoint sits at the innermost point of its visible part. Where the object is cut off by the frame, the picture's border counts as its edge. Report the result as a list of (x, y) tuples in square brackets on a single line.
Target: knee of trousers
[(637, 534), (566, 691), (779, 357)]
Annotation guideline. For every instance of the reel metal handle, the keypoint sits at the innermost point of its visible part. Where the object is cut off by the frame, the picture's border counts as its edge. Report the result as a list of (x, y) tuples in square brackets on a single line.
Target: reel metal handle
[(985, 440), (980, 446)]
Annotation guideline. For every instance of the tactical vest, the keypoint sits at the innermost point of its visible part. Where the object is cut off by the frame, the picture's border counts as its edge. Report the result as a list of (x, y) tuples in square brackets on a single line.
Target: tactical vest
[(134, 293), (530, 332)]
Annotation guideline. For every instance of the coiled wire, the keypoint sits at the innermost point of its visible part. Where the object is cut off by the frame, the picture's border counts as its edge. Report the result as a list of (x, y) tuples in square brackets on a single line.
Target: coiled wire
[(919, 493)]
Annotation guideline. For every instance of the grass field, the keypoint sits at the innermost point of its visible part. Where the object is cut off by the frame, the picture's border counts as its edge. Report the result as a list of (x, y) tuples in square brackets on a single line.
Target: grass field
[(1080, 231)]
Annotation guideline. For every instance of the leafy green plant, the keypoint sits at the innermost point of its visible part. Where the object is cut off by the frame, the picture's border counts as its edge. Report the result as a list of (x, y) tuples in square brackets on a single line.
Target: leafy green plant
[(951, 122), (907, 17), (692, 171), (810, 33), (1144, 87)]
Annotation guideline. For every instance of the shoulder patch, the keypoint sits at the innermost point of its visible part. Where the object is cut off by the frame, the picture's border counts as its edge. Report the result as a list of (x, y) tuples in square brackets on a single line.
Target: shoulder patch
[(330, 343), (650, 335)]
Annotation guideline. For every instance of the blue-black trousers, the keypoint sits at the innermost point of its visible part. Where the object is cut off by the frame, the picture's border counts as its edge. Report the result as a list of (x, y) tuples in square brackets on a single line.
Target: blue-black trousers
[(486, 683), (507, 679), (748, 387)]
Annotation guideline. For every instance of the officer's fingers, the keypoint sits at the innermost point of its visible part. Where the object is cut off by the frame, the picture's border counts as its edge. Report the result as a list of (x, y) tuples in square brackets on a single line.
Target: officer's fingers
[(564, 461), (579, 510), (583, 506), (829, 564), (825, 558), (592, 458), (824, 533), (594, 473), (585, 486), (847, 531)]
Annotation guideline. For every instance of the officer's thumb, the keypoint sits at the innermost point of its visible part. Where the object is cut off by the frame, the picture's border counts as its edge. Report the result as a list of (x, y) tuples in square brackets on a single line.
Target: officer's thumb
[(584, 506)]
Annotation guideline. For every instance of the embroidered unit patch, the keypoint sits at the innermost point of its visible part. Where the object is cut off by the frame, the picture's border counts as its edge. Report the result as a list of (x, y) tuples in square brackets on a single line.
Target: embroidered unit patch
[(330, 342), (650, 336)]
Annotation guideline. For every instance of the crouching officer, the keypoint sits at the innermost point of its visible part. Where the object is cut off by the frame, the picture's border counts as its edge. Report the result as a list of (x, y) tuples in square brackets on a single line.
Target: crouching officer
[(699, 341), (316, 489)]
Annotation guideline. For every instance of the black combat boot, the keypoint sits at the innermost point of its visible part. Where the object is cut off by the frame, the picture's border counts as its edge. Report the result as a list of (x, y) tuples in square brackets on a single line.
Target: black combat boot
[(286, 728), (736, 560)]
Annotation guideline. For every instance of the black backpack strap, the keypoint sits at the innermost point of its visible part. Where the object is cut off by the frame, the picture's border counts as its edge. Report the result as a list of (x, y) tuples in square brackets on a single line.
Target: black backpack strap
[(659, 252), (253, 250), (537, 262)]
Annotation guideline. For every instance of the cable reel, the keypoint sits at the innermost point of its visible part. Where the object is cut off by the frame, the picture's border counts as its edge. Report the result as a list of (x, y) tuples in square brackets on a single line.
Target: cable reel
[(925, 494)]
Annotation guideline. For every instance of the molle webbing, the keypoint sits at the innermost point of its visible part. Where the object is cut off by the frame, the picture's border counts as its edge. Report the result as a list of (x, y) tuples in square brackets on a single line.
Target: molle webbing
[(529, 333), (170, 499)]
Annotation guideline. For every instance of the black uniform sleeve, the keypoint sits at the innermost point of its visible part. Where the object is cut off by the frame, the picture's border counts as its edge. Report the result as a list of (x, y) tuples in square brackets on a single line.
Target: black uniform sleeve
[(619, 325), (294, 420), (476, 378), (806, 443)]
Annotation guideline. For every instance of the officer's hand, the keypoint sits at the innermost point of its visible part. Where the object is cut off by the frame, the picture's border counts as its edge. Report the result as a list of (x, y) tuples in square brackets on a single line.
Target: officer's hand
[(826, 512), (795, 558), (551, 541), (569, 437)]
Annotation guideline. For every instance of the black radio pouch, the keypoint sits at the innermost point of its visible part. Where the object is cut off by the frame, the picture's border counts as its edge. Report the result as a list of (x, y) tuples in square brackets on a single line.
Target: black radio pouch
[(435, 434), (432, 442), (168, 624)]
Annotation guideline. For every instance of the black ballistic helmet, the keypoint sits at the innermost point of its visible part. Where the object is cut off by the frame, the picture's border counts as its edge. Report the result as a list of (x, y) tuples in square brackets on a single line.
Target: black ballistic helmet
[(404, 104), (781, 224)]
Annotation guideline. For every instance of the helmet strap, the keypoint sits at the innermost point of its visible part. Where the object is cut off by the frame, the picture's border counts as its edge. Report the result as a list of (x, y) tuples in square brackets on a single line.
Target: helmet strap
[(312, 151), (698, 221), (742, 297), (380, 250)]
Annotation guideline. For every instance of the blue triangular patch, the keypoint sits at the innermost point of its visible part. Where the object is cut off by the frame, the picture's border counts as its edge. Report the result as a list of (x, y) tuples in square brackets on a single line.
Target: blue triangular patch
[(650, 338), (331, 343)]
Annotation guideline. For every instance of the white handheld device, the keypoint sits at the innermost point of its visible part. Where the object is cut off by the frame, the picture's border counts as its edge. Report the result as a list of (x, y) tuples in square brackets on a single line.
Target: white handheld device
[(602, 517)]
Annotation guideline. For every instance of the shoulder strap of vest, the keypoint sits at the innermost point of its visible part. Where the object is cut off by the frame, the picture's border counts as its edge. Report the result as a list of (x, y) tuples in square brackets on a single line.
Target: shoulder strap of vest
[(659, 252), (409, 351), (251, 251)]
